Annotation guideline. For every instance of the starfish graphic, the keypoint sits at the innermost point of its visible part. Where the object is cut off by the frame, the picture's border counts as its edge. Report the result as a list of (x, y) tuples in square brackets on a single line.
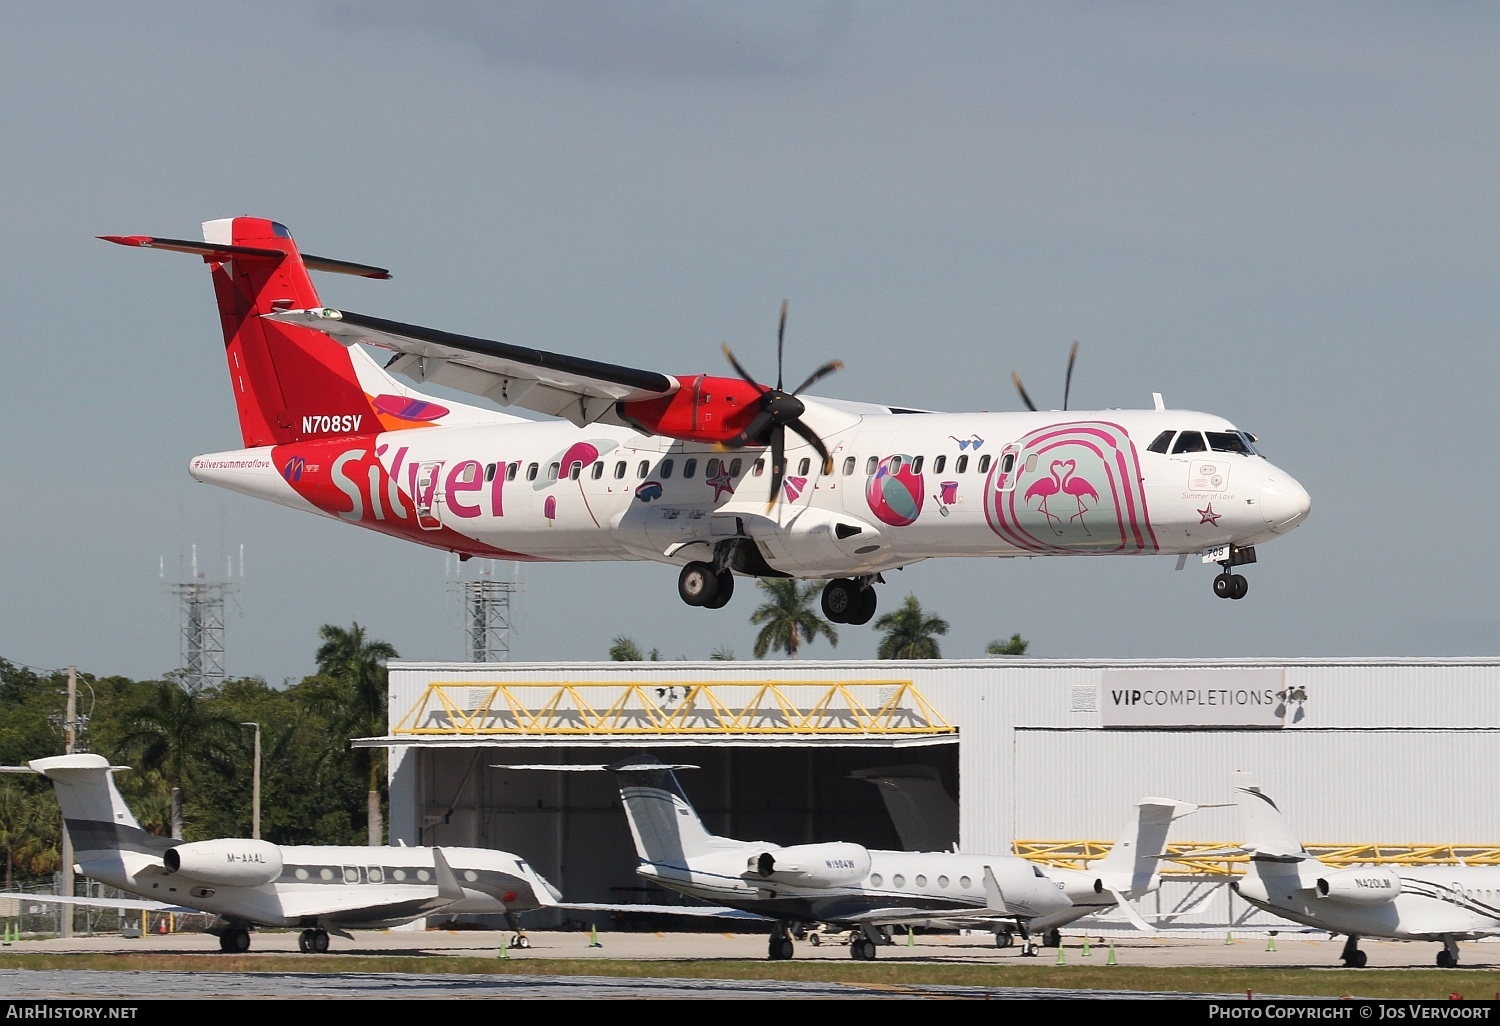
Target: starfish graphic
[(720, 482), (1209, 516)]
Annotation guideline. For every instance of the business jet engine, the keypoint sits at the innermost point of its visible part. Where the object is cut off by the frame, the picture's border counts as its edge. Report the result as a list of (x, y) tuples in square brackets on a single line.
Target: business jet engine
[(225, 862), (1360, 886), (812, 865)]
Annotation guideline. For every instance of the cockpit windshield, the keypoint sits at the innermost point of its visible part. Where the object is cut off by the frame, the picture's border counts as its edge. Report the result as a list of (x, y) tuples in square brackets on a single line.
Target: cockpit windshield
[(1241, 442)]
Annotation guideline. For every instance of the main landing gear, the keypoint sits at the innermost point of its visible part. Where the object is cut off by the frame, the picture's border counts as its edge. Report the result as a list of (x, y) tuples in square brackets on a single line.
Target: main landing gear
[(235, 940), (700, 584), (312, 942), (1352, 956), (863, 945), (851, 601), (780, 949), (1447, 958)]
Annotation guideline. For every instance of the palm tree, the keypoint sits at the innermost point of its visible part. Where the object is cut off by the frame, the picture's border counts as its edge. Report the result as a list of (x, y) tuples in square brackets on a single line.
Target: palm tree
[(176, 734), (788, 616), (910, 633), (357, 666), (1016, 646)]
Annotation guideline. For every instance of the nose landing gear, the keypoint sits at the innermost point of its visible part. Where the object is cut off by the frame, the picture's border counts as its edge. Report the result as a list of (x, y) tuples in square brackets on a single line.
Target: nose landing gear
[(1227, 584)]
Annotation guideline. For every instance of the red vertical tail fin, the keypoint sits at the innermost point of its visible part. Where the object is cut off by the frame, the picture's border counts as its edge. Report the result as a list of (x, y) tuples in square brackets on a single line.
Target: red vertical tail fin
[(290, 382)]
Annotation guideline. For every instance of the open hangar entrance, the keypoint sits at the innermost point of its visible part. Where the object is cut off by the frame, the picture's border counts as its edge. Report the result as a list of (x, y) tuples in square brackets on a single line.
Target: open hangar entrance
[(571, 827)]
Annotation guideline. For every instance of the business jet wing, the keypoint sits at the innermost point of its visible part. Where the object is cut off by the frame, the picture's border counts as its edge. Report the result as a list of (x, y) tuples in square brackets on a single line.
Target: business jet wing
[(696, 911), (123, 904), (579, 390)]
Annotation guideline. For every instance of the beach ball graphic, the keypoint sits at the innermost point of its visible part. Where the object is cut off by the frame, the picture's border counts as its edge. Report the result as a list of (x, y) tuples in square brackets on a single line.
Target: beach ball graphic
[(895, 497)]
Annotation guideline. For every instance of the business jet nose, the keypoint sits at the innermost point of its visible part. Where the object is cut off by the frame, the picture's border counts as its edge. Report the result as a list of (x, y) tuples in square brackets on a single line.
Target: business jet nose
[(1283, 503)]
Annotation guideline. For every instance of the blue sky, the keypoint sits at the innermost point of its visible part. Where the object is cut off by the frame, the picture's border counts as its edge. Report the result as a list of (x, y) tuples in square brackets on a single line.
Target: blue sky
[(1285, 215)]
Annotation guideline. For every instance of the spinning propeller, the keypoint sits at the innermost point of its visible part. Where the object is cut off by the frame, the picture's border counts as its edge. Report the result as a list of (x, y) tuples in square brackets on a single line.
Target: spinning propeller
[(1067, 382), (777, 410)]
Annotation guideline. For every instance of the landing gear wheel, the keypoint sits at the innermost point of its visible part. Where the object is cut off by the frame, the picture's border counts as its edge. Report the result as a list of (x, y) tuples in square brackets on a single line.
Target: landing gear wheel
[(1356, 961), (1004, 939), (302, 939), (521, 941), (866, 610), (318, 942), (1223, 584), (1447, 960), (697, 584), (780, 949), (235, 940), (724, 590), (1240, 586), (1052, 939), (841, 599), (862, 949)]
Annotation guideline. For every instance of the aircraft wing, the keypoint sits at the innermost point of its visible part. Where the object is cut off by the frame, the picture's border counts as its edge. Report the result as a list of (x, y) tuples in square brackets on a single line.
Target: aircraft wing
[(699, 911), (399, 902), (124, 904), (579, 390)]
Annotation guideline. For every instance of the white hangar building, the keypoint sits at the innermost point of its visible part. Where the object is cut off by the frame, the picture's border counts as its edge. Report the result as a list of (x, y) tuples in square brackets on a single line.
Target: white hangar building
[(1388, 760)]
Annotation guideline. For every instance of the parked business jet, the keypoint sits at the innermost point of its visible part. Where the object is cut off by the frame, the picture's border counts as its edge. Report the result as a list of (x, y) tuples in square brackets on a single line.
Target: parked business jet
[(249, 883), (849, 886), (1437, 903), (678, 468), (926, 819)]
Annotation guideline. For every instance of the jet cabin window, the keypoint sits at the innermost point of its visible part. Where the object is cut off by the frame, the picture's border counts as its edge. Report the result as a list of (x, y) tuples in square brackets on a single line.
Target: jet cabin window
[(1190, 441)]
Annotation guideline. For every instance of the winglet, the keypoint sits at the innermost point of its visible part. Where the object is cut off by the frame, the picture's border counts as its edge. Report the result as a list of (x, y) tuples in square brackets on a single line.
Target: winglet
[(447, 884), (994, 898)]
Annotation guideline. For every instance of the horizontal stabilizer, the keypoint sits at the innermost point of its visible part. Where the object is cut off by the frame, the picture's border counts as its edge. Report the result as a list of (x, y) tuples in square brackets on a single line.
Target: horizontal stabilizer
[(221, 253), (124, 904)]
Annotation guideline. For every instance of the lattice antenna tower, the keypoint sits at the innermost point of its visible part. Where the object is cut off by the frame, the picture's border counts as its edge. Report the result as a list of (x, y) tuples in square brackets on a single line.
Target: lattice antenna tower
[(201, 604), (487, 617)]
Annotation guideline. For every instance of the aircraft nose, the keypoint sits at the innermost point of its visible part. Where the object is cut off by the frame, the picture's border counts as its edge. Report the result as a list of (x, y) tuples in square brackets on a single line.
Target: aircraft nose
[(1283, 503)]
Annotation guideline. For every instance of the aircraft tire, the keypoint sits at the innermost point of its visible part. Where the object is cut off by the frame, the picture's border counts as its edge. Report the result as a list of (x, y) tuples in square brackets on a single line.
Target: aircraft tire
[(697, 584), (1004, 939), (1445, 960), (841, 600), (1358, 960), (1052, 939), (863, 949), (1223, 585), (724, 590), (235, 940), (781, 948), (866, 610), (318, 942), (1240, 588), (302, 939)]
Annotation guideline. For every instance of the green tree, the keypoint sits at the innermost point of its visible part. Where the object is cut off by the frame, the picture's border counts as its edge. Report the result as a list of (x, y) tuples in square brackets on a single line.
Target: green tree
[(625, 650), (723, 654), (356, 666), (1016, 646), (29, 831), (788, 618), (175, 732), (910, 633)]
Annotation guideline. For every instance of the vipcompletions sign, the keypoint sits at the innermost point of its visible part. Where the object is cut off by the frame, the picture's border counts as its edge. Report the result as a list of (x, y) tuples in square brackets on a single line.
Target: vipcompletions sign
[(1251, 697)]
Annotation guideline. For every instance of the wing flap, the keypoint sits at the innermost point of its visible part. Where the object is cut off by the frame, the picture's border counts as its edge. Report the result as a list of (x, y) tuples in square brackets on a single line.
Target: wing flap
[(581, 390)]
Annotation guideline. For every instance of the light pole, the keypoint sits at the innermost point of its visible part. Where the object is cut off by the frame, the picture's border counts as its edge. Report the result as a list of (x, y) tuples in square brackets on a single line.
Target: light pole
[(255, 785)]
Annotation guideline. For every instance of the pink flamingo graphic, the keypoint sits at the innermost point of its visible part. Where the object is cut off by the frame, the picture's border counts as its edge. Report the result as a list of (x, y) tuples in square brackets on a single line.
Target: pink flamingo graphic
[(1077, 487), (1046, 487)]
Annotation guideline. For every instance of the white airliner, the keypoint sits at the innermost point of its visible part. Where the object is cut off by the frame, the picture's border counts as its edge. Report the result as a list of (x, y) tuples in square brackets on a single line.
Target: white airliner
[(1431, 903), (847, 885), (644, 465), (248, 883)]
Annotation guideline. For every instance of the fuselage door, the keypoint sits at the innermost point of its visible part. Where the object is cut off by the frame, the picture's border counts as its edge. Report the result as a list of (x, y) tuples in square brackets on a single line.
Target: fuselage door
[(427, 497)]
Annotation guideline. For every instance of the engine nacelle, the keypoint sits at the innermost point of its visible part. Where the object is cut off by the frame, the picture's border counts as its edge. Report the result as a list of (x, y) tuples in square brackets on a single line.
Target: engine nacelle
[(1360, 886), (812, 865), (706, 408), (227, 862)]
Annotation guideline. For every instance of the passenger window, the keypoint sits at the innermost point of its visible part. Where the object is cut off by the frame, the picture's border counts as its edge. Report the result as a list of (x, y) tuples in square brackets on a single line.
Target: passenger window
[(1031, 464), (1007, 463), (734, 466), (575, 470), (759, 468), (711, 469), (938, 463), (916, 465), (489, 472), (1189, 441), (620, 470), (895, 468), (598, 470), (961, 465), (1227, 441), (984, 463), (666, 469), (689, 468), (510, 471), (643, 469), (1161, 443), (804, 466), (531, 472), (872, 464), (848, 465)]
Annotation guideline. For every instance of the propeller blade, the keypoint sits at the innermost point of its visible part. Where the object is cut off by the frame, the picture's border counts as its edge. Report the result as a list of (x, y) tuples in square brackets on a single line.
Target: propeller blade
[(816, 442), (1022, 389), (818, 375), (780, 339), (1068, 381), (778, 463), (740, 370)]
